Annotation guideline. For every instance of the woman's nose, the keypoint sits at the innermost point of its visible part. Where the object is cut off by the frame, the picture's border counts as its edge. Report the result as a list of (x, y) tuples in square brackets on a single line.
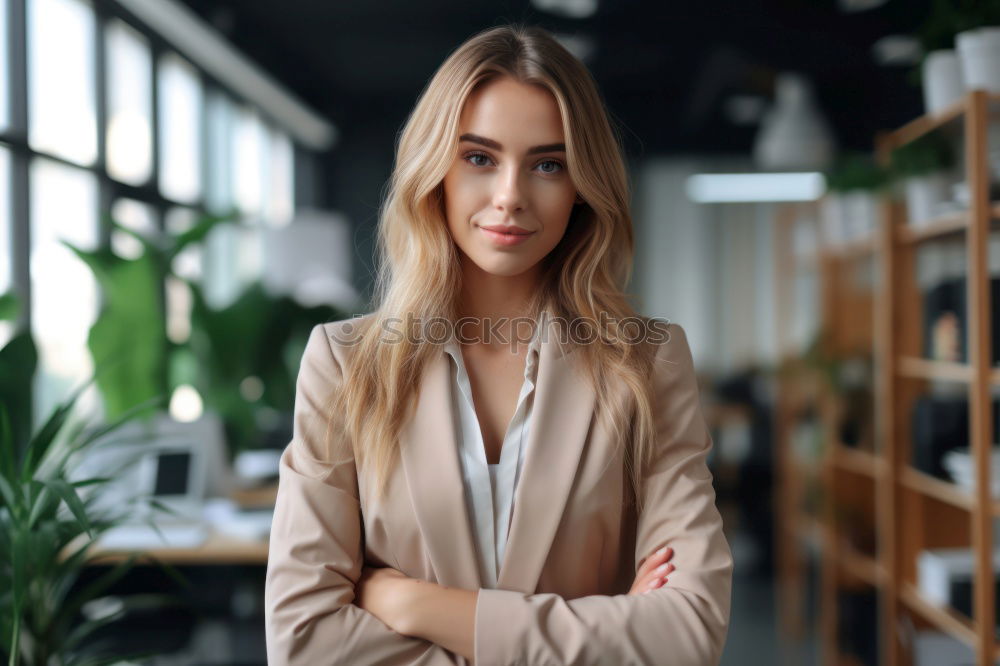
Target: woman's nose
[(507, 192)]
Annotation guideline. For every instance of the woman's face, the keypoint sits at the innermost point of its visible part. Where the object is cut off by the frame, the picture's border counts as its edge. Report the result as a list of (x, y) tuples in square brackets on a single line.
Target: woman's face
[(510, 172)]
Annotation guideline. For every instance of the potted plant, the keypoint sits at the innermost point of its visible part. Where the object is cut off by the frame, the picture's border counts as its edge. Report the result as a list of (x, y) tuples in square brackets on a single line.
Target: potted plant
[(850, 209), (132, 323), (49, 524), (947, 73), (922, 165), (242, 359)]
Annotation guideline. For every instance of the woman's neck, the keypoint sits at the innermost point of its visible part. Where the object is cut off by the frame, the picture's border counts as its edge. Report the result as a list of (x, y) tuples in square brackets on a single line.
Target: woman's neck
[(493, 301)]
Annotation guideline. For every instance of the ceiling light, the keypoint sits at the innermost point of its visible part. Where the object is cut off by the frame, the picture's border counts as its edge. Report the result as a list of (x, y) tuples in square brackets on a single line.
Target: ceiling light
[(579, 45), (793, 136), (753, 187), (576, 9)]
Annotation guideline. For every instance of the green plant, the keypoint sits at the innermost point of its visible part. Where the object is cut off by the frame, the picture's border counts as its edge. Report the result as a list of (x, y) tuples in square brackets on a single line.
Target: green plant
[(926, 154), (48, 525), (947, 18), (132, 323), (856, 171), (243, 358)]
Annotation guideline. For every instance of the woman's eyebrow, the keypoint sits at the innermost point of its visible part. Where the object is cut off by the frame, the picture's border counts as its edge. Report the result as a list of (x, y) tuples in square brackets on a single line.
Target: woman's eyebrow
[(495, 145)]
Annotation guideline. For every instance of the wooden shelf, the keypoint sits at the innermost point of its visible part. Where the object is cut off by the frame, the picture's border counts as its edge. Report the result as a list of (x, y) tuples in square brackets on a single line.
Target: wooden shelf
[(927, 123), (912, 510), (948, 492), (944, 618), (861, 565), (856, 248), (923, 368), (858, 461), (945, 226), (944, 491)]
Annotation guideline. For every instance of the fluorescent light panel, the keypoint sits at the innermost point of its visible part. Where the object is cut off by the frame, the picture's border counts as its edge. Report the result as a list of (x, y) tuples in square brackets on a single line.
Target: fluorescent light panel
[(750, 187)]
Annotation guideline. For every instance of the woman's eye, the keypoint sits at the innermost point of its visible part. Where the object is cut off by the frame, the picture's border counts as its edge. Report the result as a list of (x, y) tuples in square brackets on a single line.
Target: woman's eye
[(557, 166), (472, 156)]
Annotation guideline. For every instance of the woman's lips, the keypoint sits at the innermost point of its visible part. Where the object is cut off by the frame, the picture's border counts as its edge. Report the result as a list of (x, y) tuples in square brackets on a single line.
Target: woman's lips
[(506, 239)]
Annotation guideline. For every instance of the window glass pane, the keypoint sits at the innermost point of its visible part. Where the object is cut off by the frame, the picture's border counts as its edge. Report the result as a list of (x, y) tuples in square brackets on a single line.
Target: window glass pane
[(64, 295), (136, 216), (220, 113), (6, 277), (4, 72), (186, 265), (61, 117), (281, 182), (248, 161), (233, 259), (130, 101), (180, 129)]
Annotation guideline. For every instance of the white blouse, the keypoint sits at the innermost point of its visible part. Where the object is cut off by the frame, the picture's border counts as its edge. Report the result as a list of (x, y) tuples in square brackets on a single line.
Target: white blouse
[(489, 488)]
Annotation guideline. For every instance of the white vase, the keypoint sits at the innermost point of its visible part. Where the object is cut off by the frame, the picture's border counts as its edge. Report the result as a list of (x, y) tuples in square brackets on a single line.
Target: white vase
[(924, 195), (942, 79), (862, 213), (833, 219), (979, 55)]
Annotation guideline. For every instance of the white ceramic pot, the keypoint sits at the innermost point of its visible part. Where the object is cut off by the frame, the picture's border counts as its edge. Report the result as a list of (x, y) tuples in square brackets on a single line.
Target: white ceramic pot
[(924, 195), (862, 213), (979, 55), (942, 80), (833, 219)]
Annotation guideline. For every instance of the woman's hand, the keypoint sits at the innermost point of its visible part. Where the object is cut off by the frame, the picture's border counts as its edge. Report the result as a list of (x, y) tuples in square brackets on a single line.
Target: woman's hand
[(384, 592), (653, 571)]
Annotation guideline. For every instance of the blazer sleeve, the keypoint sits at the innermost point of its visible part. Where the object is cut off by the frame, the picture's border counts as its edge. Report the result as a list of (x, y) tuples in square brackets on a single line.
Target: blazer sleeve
[(682, 623), (316, 546)]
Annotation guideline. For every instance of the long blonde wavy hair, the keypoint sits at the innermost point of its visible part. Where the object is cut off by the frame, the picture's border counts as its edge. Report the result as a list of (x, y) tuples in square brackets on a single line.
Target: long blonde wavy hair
[(419, 271)]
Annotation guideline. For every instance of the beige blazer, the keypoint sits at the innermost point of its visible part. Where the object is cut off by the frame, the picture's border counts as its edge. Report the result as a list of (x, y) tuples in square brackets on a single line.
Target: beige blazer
[(572, 549)]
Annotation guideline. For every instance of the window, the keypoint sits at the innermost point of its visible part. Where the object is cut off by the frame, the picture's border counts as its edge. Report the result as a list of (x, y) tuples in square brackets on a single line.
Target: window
[(281, 180), (6, 258), (138, 217), (186, 265), (4, 70), (130, 100), (61, 84), (180, 129), (248, 162), (5, 228), (196, 148), (220, 118), (64, 295)]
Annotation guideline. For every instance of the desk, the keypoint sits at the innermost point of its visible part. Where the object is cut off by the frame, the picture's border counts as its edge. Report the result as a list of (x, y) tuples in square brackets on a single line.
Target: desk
[(217, 549)]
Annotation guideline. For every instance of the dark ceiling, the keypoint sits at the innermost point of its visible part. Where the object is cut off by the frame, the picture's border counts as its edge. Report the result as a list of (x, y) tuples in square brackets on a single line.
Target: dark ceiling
[(665, 68)]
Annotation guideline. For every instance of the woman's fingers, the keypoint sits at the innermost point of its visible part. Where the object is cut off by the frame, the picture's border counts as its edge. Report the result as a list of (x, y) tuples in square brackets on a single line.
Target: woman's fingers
[(657, 558), (654, 577)]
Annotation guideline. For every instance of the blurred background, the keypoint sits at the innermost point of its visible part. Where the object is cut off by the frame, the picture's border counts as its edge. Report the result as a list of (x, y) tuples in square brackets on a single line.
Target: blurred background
[(186, 188)]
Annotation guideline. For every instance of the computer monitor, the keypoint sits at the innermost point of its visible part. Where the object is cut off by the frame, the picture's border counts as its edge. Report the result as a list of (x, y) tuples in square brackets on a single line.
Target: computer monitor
[(173, 474)]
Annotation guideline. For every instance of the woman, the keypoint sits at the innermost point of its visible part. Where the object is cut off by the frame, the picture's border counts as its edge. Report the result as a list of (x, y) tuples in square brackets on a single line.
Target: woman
[(502, 463)]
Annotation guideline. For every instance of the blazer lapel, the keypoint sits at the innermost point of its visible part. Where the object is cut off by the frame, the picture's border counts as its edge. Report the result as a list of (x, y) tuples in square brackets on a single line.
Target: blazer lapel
[(429, 455), (563, 407)]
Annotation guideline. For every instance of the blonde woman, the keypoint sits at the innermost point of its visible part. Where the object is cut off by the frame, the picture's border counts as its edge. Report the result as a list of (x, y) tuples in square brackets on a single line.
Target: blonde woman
[(503, 463)]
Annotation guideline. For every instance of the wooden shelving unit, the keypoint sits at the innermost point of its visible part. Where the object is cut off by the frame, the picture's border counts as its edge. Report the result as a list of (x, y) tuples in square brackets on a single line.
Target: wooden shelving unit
[(913, 510)]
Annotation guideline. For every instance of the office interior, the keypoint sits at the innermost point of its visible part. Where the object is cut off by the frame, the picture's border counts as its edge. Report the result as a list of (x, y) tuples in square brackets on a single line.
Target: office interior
[(188, 186)]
